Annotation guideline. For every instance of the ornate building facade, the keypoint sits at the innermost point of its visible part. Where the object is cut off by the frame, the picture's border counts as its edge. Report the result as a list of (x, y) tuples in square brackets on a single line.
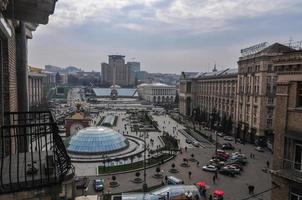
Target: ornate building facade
[(287, 160), (210, 97), (256, 90)]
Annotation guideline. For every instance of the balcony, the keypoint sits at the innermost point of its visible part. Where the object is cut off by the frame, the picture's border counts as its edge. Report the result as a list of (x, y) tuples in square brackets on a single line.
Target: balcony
[(290, 170), (32, 153)]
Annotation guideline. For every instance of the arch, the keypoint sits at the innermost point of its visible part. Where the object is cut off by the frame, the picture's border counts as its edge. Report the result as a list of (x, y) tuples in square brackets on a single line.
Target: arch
[(163, 99), (154, 99), (158, 99)]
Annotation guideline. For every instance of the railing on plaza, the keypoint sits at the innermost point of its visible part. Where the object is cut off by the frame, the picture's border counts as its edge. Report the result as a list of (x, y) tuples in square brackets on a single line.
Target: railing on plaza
[(32, 153)]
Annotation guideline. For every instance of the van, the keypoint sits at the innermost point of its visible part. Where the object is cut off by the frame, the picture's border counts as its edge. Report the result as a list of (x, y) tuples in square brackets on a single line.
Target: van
[(172, 180)]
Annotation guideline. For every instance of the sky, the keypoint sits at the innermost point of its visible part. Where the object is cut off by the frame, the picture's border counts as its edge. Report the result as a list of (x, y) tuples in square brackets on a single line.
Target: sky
[(167, 36)]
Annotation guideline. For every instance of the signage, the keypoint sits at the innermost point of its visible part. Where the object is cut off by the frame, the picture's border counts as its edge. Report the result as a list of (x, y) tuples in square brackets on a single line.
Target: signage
[(253, 49)]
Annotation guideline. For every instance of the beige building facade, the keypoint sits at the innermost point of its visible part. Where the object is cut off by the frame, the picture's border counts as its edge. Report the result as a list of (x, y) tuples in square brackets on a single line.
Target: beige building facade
[(287, 160), (210, 97), (157, 93), (256, 90)]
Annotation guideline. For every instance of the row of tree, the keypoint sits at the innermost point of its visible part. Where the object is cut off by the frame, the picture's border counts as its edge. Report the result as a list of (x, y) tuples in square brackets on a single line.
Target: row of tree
[(213, 120)]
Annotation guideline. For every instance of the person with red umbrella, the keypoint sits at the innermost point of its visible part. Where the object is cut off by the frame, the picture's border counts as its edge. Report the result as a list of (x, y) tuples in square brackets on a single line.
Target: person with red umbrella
[(202, 188), (218, 195)]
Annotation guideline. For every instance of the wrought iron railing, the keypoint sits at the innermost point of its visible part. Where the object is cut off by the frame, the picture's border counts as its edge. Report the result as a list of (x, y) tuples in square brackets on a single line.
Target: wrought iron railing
[(32, 154)]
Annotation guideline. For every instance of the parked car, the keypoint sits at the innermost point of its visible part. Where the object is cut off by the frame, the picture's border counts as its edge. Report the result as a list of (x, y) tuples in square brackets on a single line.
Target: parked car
[(98, 184), (228, 146), (209, 168), (238, 166), (260, 149), (227, 172), (232, 168), (228, 138), (196, 144), (188, 141), (81, 183)]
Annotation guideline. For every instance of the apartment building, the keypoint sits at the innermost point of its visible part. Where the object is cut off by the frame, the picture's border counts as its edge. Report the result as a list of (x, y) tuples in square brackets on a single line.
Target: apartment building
[(287, 159), (256, 88)]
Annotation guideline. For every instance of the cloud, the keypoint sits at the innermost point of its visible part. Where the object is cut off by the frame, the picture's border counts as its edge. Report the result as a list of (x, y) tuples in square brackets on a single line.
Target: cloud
[(196, 16)]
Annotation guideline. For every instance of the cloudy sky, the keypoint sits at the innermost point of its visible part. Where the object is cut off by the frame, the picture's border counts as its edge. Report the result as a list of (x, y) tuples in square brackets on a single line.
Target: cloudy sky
[(167, 36)]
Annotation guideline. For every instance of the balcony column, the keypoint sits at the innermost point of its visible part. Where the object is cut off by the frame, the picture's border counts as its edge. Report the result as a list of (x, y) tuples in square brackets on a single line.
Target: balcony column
[(21, 65)]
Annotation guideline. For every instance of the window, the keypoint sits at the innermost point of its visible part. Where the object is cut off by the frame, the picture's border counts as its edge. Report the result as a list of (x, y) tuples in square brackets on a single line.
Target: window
[(270, 100), (298, 157), (299, 94), (269, 123)]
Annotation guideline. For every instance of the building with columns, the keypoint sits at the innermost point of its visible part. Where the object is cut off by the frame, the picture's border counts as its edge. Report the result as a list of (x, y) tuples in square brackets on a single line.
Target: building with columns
[(35, 87), (157, 93), (287, 160), (210, 97)]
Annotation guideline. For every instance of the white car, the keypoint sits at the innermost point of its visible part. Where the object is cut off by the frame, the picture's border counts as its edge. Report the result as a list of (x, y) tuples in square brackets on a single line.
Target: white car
[(228, 138), (209, 168), (196, 144), (260, 149), (233, 168), (237, 154)]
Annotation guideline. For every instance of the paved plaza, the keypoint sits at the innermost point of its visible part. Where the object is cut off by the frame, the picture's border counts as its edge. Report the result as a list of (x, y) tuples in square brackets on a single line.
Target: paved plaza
[(234, 187)]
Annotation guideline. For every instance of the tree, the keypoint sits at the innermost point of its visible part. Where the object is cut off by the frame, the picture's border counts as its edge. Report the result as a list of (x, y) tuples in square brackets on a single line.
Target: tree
[(173, 165), (137, 174)]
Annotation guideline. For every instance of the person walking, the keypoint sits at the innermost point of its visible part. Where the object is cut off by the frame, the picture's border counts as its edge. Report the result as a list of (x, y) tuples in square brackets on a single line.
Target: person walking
[(210, 197), (190, 174), (267, 164), (214, 179)]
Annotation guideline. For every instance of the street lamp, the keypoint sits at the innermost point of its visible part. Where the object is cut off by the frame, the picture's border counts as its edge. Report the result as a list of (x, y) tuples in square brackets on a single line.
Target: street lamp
[(145, 186)]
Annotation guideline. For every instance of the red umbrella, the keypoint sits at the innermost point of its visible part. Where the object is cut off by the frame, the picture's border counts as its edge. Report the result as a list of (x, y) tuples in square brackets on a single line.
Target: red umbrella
[(201, 184), (219, 192)]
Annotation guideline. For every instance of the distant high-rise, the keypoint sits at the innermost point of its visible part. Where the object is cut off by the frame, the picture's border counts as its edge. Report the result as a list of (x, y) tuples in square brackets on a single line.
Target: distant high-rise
[(133, 68), (124, 73)]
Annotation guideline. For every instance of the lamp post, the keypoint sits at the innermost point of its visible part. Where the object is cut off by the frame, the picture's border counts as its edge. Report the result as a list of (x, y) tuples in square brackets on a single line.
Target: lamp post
[(145, 186)]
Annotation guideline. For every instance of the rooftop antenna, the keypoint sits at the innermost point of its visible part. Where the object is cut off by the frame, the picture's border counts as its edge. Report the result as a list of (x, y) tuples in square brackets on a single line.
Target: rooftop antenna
[(290, 41), (215, 69)]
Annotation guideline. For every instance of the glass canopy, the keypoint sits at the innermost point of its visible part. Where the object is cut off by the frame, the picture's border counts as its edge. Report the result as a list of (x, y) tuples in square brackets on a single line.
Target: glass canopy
[(96, 140)]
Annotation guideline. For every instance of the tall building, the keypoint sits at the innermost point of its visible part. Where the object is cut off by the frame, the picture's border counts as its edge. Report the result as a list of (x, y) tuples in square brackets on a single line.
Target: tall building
[(287, 159), (256, 90), (121, 73), (210, 97), (133, 69)]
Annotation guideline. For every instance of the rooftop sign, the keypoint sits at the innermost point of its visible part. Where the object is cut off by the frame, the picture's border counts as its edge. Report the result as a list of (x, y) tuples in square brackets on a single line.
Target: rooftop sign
[(253, 49)]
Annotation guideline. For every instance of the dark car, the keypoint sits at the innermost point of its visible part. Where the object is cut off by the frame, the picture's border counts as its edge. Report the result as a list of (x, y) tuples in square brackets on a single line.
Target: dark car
[(81, 183), (189, 141), (227, 172), (98, 184), (228, 146)]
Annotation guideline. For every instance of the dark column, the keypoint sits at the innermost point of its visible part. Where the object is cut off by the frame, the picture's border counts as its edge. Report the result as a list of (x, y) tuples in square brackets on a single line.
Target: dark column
[(22, 75)]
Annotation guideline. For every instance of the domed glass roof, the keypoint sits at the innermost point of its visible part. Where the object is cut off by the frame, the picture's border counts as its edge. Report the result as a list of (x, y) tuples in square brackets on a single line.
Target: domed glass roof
[(96, 140)]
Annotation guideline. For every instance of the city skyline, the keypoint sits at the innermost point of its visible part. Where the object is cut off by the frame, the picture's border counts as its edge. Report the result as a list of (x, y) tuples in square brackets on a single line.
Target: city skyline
[(164, 36)]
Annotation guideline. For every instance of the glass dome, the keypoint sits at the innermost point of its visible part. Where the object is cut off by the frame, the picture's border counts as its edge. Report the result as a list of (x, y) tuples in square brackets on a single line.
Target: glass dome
[(96, 140)]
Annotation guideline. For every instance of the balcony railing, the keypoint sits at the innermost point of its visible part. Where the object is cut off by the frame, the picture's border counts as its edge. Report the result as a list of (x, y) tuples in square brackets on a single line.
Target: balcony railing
[(291, 170), (32, 154)]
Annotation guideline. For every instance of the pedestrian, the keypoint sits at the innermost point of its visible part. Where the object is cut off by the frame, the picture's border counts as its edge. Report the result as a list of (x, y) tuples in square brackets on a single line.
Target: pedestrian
[(216, 174), (267, 164), (210, 197), (214, 179), (251, 189), (239, 150), (197, 163), (190, 174)]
